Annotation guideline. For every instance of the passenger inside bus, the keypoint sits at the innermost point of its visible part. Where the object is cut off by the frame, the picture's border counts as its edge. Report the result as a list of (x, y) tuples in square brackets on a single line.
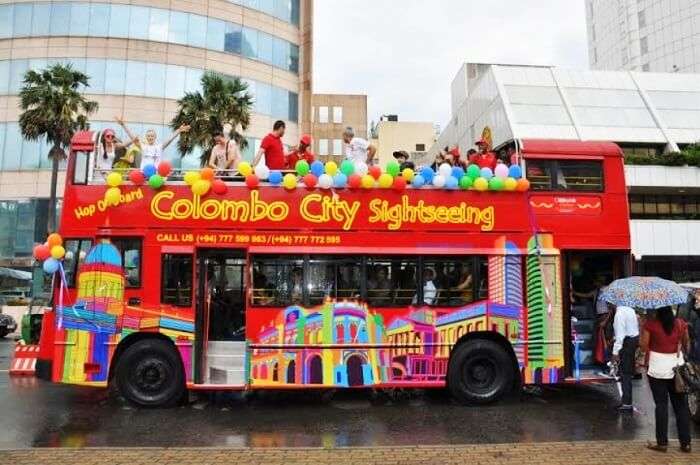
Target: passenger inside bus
[(296, 288), (429, 289), (379, 287)]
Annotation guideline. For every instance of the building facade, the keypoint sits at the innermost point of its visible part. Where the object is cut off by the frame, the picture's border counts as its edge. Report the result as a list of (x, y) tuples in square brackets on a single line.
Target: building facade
[(141, 57), (644, 35), (413, 137), (330, 115)]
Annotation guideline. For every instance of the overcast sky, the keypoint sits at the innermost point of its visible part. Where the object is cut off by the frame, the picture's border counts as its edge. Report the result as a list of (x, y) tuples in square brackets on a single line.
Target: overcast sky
[(404, 53)]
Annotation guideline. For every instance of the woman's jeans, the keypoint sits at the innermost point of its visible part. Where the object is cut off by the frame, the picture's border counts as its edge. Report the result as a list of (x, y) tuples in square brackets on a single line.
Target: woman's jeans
[(662, 390)]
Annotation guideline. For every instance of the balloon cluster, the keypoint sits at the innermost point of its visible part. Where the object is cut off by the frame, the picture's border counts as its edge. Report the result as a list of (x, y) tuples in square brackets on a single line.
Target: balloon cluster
[(203, 181), (51, 253), (479, 179), (154, 176)]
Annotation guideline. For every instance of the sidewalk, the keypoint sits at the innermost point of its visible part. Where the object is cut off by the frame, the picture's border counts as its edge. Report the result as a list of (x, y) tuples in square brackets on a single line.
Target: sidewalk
[(568, 453)]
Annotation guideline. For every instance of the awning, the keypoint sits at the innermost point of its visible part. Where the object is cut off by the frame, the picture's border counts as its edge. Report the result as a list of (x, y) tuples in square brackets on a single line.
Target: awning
[(16, 274)]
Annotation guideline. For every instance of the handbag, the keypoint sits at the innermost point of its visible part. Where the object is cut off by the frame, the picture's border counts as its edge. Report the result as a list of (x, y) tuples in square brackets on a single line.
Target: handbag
[(690, 372), (679, 380)]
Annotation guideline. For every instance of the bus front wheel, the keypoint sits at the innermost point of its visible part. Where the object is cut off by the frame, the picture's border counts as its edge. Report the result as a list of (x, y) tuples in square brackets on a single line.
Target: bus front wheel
[(480, 371), (149, 373)]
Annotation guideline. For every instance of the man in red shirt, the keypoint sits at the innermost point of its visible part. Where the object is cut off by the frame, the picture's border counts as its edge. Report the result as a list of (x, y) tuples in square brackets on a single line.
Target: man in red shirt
[(301, 152), (271, 147), (484, 158)]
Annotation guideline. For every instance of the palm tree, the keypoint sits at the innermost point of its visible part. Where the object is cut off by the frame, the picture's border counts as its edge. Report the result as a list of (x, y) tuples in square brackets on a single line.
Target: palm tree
[(53, 107), (222, 101)]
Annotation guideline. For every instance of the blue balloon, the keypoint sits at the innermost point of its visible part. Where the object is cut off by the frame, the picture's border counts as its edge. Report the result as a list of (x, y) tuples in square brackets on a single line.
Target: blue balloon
[(317, 168), (486, 173), (51, 265), (515, 172), (427, 174), (275, 178), (458, 172), (451, 183), (149, 170), (340, 180), (418, 181)]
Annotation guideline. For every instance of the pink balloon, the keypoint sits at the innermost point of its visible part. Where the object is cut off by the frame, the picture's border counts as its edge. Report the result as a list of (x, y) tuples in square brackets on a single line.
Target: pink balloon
[(501, 170)]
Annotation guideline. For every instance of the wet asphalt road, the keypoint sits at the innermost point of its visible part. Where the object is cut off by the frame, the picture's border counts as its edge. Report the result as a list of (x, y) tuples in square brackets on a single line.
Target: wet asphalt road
[(38, 414)]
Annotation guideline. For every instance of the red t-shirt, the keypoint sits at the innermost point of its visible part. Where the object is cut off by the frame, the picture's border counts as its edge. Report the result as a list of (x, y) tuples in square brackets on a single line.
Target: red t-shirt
[(274, 152), (487, 160), (294, 156), (661, 342)]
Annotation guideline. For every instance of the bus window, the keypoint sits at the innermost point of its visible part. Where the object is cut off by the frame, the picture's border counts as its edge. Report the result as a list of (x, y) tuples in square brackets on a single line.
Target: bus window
[(482, 272), (131, 259), (76, 250), (176, 280), (333, 277), (453, 279), (278, 281), (539, 173), (391, 282), (574, 175), (82, 167)]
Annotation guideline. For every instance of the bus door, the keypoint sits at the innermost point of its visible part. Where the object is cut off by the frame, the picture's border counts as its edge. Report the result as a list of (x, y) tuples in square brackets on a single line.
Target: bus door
[(221, 316)]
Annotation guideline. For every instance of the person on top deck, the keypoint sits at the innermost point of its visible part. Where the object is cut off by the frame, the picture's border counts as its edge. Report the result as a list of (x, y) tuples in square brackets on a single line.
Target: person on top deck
[(301, 152), (484, 158), (152, 151), (401, 156), (456, 157), (271, 146), (439, 159), (357, 149), (225, 155), (109, 150)]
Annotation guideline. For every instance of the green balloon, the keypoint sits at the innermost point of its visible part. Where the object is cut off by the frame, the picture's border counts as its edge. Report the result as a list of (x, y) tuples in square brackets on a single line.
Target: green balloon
[(347, 168), (393, 168), (473, 171), (497, 184), (302, 167), (466, 182), (156, 181)]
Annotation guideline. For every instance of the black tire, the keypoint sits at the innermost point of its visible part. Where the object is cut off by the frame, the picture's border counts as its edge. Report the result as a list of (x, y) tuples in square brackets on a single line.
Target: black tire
[(150, 374), (480, 372), (694, 404)]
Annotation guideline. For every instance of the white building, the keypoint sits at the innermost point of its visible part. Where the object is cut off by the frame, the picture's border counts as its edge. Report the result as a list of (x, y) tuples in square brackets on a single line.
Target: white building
[(644, 35), (645, 113)]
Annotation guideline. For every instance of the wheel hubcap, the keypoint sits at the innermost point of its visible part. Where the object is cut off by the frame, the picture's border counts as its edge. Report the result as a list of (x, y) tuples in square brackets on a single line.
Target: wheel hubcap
[(480, 374), (150, 375)]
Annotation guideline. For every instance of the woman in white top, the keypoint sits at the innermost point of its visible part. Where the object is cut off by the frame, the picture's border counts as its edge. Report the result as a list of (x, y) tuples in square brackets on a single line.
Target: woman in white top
[(108, 148), (151, 151)]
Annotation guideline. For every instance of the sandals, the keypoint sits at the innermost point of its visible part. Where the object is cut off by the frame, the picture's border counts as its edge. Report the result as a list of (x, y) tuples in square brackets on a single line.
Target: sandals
[(656, 447)]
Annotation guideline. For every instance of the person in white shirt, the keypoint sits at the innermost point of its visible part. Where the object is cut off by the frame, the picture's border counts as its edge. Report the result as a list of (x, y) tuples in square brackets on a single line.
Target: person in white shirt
[(152, 151), (357, 149), (626, 326), (429, 289)]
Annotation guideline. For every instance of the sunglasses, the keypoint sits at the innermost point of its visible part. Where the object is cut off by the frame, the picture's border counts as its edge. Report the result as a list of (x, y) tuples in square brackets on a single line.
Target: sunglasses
[(108, 136)]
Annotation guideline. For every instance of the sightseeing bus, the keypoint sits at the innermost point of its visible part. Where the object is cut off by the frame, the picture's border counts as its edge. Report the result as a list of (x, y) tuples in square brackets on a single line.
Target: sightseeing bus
[(306, 288)]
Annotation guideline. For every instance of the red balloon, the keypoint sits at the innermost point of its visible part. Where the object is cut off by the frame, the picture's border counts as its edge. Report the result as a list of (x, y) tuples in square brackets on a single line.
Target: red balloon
[(219, 187), (399, 184), (164, 168), (42, 252), (375, 171), (310, 180), (252, 181), (354, 181), (137, 177)]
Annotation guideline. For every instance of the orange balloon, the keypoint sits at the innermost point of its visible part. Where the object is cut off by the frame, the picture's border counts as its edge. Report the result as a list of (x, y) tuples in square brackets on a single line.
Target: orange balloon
[(54, 240), (207, 174), (523, 185)]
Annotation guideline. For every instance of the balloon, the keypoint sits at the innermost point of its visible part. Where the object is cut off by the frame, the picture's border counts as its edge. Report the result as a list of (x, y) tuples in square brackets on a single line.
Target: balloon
[(113, 196), (58, 252), (54, 239), (42, 252), (219, 187), (310, 180), (201, 187), (137, 177), (457, 172), (375, 171), (501, 171), (399, 184), (465, 182), (207, 173), (340, 181), (367, 181), (427, 174), (486, 173), (439, 181), (347, 167), (451, 183), (302, 167), (515, 172), (331, 168), (408, 174), (445, 170), (114, 179), (191, 177), (361, 168), (385, 181), (393, 168), (473, 171), (481, 184), (252, 181), (496, 184), (156, 181), (275, 178), (355, 181), (317, 168), (51, 266), (289, 181), (165, 168), (149, 170), (418, 181), (245, 169), (523, 185), (510, 184), (325, 181), (262, 172)]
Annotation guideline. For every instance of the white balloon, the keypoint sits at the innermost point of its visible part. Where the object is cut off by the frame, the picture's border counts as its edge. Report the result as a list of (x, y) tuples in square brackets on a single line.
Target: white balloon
[(325, 181), (361, 168), (439, 180), (445, 170), (262, 172)]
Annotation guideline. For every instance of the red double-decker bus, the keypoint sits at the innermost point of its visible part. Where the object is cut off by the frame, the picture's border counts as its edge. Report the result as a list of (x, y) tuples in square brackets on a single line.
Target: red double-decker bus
[(270, 288)]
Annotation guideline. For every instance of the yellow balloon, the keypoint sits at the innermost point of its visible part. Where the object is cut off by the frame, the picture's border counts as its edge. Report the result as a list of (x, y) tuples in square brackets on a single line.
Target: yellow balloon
[(57, 252), (481, 184), (385, 181), (201, 187), (408, 174), (245, 169), (367, 181), (192, 177), (331, 168), (113, 196), (510, 184), (114, 179), (289, 181)]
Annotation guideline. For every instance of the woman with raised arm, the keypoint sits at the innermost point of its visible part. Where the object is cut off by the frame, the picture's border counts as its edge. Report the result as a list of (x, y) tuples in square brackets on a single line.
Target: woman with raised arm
[(151, 150)]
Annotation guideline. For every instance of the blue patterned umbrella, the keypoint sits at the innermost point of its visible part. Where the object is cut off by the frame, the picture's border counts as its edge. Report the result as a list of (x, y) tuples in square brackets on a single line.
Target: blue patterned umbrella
[(644, 292)]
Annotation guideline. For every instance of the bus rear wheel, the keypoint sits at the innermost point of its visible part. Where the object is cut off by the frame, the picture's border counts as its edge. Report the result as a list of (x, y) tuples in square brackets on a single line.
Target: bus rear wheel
[(480, 372), (149, 373)]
